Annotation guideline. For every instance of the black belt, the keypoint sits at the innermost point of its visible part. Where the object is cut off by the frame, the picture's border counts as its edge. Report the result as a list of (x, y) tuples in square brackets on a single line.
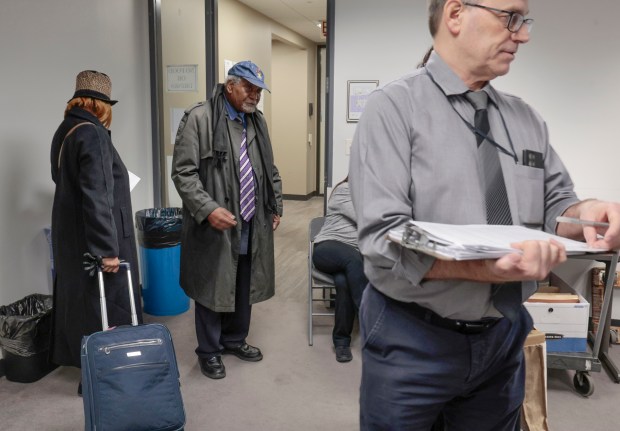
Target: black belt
[(461, 326)]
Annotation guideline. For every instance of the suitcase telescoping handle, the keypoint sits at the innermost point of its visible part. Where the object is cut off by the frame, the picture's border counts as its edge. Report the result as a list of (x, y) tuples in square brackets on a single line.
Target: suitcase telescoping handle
[(96, 262)]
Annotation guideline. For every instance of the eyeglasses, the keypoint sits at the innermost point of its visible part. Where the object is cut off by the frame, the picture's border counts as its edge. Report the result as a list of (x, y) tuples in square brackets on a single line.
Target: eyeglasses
[(515, 19)]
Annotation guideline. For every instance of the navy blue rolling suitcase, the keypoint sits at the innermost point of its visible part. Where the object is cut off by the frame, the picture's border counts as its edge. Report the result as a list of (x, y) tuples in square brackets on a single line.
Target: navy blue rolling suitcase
[(130, 379)]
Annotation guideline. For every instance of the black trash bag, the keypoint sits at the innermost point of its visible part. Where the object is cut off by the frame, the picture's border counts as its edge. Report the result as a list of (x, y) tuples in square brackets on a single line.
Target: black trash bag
[(159, 227), (25, 325)]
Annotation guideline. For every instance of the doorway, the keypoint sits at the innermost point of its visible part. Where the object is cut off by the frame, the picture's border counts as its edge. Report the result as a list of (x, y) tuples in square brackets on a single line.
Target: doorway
[(293, 146)]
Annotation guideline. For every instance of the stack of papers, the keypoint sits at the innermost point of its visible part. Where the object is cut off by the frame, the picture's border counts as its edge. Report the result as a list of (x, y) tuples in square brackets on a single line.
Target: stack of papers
[(469, 242)]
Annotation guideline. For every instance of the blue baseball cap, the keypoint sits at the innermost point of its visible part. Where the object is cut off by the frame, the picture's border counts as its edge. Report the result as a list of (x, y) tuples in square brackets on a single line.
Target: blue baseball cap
[(250, 72)]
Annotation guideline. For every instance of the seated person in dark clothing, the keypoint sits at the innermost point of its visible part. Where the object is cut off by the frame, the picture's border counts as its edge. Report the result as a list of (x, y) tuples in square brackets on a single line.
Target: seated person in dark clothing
[(336, 253)]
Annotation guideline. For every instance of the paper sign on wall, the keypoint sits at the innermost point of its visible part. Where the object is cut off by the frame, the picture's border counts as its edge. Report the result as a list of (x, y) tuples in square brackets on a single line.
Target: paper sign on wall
[(182, 77)]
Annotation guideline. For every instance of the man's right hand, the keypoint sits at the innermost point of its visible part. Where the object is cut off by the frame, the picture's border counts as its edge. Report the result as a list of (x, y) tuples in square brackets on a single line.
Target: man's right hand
[(538, 258), (221, 219), (110, 264)]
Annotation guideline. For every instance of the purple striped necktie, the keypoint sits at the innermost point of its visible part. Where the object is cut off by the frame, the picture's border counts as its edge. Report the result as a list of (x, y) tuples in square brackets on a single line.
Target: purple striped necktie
[(246, 181)]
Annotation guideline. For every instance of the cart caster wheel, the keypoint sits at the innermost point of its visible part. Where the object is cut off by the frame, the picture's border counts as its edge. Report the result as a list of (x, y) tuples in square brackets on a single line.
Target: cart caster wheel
[(583, 383)]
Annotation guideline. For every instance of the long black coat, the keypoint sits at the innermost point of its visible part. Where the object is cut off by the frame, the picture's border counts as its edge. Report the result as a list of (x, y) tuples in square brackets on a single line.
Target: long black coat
[(92, 213)]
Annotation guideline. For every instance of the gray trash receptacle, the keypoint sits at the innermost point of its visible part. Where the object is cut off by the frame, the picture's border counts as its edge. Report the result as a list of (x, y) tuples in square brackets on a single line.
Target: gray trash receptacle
[(25, 328)]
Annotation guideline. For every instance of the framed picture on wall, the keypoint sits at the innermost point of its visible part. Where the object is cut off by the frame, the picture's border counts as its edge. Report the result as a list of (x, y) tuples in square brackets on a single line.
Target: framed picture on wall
[(357, 94)]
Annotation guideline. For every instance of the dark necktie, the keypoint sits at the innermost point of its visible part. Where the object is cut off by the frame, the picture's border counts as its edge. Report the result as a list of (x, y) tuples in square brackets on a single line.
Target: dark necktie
[(246, 181), (498, 210), (506, 297)]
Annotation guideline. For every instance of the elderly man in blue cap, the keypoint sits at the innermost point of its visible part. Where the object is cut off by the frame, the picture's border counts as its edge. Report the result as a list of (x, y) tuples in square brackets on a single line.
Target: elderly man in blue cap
[(224, 172)]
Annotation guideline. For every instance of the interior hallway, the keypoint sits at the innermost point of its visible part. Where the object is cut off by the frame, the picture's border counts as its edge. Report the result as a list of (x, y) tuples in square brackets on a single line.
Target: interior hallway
[(295, 387)]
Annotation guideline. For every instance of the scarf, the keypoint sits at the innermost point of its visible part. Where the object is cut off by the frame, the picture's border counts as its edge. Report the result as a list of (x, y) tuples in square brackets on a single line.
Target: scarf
[(221, 139)]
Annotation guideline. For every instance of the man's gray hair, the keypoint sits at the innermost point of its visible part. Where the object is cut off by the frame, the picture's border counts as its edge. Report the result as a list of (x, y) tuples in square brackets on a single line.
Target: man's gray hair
[(435, 11), (232, 78)]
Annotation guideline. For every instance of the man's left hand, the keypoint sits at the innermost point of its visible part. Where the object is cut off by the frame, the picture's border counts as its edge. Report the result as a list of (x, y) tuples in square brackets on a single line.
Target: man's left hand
[(276, 221), (595, 210), (535, 262)]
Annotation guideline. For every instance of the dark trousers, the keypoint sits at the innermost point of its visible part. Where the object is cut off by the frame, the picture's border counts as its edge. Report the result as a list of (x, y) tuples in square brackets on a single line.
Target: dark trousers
[(413, 371), (346, 265), (214, 330)]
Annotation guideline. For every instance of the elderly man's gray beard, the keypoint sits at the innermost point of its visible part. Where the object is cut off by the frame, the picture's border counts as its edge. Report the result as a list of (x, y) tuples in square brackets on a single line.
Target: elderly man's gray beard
[(248, 108)]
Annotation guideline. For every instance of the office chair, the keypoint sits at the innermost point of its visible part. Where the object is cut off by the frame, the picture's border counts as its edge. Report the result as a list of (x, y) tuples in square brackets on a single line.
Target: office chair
[(317, 280)]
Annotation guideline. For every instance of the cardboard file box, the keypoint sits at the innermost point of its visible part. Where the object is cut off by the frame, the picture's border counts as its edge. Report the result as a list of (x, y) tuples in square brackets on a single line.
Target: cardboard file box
[(565, 324), (598, 292)]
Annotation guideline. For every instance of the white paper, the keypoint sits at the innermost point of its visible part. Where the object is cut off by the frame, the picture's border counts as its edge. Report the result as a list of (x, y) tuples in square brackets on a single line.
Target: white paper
[(133, 180), (465, 242)]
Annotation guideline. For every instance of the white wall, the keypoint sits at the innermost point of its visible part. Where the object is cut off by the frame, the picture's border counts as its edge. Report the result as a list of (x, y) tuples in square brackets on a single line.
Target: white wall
[(244, 34), (374, 40), (568, 72), (43, 45)]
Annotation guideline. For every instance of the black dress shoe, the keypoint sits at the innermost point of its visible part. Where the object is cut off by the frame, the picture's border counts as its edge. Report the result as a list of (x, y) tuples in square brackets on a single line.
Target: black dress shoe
[(212, 367), (80, 389), (343, 354), (246, 352)]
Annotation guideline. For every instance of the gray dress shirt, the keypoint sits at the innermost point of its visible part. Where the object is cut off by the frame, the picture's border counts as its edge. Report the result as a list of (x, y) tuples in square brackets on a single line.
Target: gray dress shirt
[(340, 220), (414, 157)]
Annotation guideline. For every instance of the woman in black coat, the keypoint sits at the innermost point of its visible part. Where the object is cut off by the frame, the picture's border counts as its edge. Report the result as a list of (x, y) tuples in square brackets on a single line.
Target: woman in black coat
[(92, 213)]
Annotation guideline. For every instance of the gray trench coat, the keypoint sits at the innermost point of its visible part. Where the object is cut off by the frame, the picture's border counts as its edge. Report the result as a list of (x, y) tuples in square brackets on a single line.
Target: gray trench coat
[(205, 171)]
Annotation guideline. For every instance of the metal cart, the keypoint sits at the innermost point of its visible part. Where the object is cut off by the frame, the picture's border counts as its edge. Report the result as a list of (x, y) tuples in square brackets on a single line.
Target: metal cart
[(597, 355)]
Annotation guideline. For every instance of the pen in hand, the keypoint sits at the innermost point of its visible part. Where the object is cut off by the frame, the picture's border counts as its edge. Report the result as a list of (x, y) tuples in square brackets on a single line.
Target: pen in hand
[(562, 219)]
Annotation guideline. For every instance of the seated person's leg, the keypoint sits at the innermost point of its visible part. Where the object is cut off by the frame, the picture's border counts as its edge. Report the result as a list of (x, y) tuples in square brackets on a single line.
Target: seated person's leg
[(343, 319), (356, 279), (333, 257)]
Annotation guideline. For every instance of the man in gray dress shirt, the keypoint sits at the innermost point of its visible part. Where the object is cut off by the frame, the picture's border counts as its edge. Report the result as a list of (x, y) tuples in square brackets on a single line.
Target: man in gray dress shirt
[(434, 341)]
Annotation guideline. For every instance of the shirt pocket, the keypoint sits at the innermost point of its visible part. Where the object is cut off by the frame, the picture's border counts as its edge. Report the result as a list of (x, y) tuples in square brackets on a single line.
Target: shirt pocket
[(530, 191)]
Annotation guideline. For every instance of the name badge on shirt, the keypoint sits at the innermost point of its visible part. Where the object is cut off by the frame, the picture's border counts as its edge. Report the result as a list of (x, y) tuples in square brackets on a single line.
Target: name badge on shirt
[(533, 159)]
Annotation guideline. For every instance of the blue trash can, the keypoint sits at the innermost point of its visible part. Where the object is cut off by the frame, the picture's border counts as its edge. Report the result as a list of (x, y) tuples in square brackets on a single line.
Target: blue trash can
[(159, 237)]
